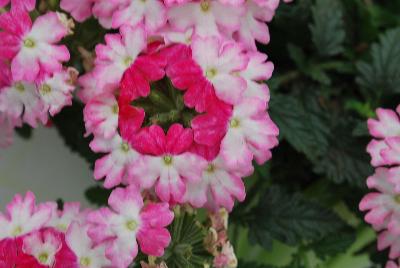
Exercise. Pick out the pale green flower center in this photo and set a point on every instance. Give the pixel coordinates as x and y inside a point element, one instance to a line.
<point>168,160</point>
<point>85,261</point>
<point>45,89</point>
<point>211,73</point>
<point>131,225</point>
<point>234,123</point>
<point>19,86</point>
<point>210,168</point>
<point>43,257</point>
<point>115,109</point>
<point>17,231</point>
<point>205,6</point>
<point>29,43</point>
<point>125,147</point>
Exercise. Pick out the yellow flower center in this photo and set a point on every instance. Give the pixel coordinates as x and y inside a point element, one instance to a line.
<point>211,73</point>
<point>168,160</point>
<point>125,147</point>
<point>128,60</point>
<point>397,199</point>
<point>20,87</point>
<point>85,261</point>
<point>45,89</point>
<point>234,123</point>
<point>210,168</point>
<point>17,231</point>
<point>115,109</point>
<point>29,43</point>
<point>43,257</point>
<point>205,6</point>
<point>131,225</point>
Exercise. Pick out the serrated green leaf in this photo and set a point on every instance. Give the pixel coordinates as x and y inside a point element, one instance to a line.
<point>290,218</point>
<point>328,32</point>
<point>382,73</point>
<point>301,123</point>
<point>97,195</point>
<point>333,244</point>
<point>345,159</point>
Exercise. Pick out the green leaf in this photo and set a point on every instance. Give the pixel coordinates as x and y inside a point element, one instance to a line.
<point>24,132</point>
<point>243,264</point>
<point>301,122</point>
<point>333,244</point>
<point>290,218</point>
<point>328,32</point>
<point>345,159</point>
<point>382,73</point>
<point>97,195</point>
<point>186,248</point>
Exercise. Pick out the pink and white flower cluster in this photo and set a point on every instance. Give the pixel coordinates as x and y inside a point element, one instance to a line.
<point>203,51</point>
<point>33,81</point>
<point>39,235</point>
<point>383,206</point>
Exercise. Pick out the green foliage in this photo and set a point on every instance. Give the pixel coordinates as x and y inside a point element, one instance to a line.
<point>289,219</point>
<point>328,32</point>
<point>97,195</point>
<point>333,244</point>
<point>382,73</point>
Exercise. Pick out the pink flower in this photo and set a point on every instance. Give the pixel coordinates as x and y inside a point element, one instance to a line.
<point>79,9</point>
<point>28,5</point>
<point>220,63</point>
<point>44,246</point>
<point>384,150</point>
<point>29,47</point>
<point>56,90</point>
<point>115,164</point>
<point>88,254</point>
<point>103,10</point>
<point>382,206</point>
<point>256,73</point>
<point>128,220</point>
<point>218,187</point>
<point>151,14</point>
<point>166,161</point>
<point>251,134</point>
<point>253,25</point>
<point>62,219</point>
<point>206,17</point>
<point>120,51</point>
<point>101,116</point>
<point>391,264</point>
<point>387,239</point>
<point>23,216</point>
<point>22,101</point>
<point>89,88</point>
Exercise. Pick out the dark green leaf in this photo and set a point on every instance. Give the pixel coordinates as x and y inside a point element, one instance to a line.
<point>328,32</point>
<point>97,195</point>
<point>333,244</point>
<point>301,122</point>
<point>382,73</point>
<point>290,218</point>
<point>24,132</point>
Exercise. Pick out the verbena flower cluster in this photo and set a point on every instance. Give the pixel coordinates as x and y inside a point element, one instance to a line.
<point>176,103</point>
<point>383,206</point>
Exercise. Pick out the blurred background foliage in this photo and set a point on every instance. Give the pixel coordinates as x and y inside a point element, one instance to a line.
<point>336,61</point>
